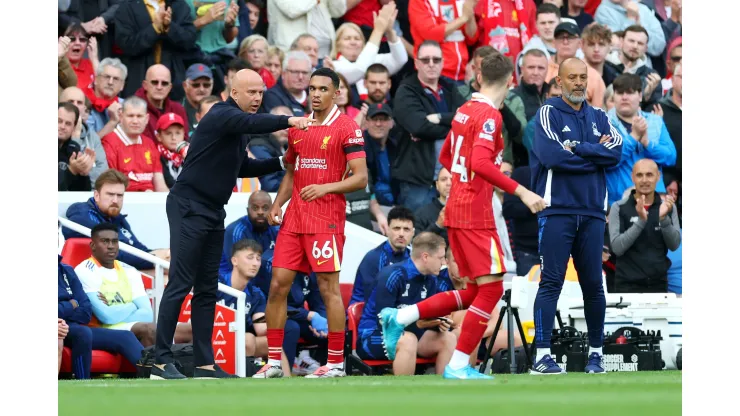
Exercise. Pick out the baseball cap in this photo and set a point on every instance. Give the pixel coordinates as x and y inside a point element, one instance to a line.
<point>381,108</point>
<point>168,119</point>
<point>568,25</point>
<point>196,71</point>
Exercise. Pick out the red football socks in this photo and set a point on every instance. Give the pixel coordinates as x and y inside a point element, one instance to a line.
<point>443,304</point>
<point>336,348</point>
<point>478,315</point>
<point>275,343</point>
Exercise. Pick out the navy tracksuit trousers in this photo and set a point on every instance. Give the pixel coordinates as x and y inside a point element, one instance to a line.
<point>560,237</point>
<point>82,340</point>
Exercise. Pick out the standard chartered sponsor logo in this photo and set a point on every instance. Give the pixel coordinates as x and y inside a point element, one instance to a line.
<point>313,163</point>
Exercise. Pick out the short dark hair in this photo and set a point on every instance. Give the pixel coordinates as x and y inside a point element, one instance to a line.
<point>400,212</point>
<point>76,27</point>
<point>637,29</point>
<point>377,69</point>
<point>553,83</point>
<point>246,244</point>
<point>426,241</point>
<point>428,43</point>
<point>72,109</point>
<point>259,3</point>
<point>111,176</point>
<point>237,64</point>
<point>207,100</point>
<point>326,72</point>
<point>484,51</point>
<point>496,69</point>
<point>627,84</point>
<point>103,226</point>
<point>548,8</point>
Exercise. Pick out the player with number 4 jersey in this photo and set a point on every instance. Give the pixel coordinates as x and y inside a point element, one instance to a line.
<point>311,237</point>
<point>472,152</point>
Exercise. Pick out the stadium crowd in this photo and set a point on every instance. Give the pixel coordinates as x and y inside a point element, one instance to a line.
<point>136,76</point>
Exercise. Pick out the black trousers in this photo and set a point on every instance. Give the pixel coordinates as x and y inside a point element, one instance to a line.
<point>196,242</point>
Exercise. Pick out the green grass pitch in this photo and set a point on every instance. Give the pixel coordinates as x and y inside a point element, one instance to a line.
<point>641,393</point>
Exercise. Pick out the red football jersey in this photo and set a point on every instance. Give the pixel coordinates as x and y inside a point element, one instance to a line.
<point>320,155</point>
<point>470,204</point>
<point>139,161</point>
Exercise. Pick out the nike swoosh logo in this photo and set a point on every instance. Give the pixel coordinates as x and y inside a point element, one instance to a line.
<point>297,141</point>
<point>319,263</point>
<point>126,160</point>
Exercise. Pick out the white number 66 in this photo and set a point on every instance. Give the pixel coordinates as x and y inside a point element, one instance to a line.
<point>325,252</point>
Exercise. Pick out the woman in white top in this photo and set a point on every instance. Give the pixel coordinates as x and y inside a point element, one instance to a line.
<point>351,56</point>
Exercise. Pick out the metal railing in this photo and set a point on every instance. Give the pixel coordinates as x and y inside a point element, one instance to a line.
<point>158,289</point>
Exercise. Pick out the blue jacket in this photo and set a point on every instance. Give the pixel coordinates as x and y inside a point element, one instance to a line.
<point>239,230</point>
<point>88,215</point>
<point>367,273</point>
<point>399,285</point>
<point>255,302</point>
<point>277,96</point>
<point>71,288</point>
<point>572,182</point>
<point>661,149</point>
<point>444,282</point>
<point>675,279</point>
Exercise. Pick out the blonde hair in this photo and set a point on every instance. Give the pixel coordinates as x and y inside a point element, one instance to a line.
<point>248,42</point>
<point>274,50</point>
<point>340,31</point>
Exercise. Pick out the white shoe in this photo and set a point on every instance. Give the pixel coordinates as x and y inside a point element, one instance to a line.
<point>269,371</point>
<point>304,364</point>
<point>326,372</point>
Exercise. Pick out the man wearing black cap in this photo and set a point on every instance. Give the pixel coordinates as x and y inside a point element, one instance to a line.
<point>380,150</point>
<point>198,84</point>
<point>567,44</point>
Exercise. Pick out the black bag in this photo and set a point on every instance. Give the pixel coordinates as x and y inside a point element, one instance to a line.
<point>182,353</point>
<point>502,364</point>
<point>569,348</point>
<point>678,358</point>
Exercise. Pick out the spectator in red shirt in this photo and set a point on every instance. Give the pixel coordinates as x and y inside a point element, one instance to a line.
<point>129,152</point>
<point>155,90</point>
<point>507,25</point>
<point>452,24</point>
<point>81,41</point>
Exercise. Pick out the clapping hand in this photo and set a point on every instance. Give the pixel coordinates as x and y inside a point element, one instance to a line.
<point>641,211</point>
<point>666,207</point>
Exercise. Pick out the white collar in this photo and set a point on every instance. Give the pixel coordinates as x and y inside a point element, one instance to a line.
<point>334,114</point>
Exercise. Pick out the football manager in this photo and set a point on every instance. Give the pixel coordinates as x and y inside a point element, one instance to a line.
<point>216,157</point>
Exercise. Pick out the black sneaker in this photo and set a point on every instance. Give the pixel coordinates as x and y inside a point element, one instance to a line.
<point>217,372</point>
<point>169,372</point>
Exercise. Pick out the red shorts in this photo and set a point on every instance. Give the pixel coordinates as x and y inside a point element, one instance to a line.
<point>320,253</point>
<point>477,252</point>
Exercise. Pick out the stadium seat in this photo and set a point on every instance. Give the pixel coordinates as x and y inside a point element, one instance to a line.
<point>346,289</point>
<point>75,251</point>
<point>103,362</point>
<point>354,313</point>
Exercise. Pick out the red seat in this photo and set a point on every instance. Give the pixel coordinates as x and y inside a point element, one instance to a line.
<point>346,289</point>
<point>102,362</point>
<point>354,313</point>
<point>75,251</point>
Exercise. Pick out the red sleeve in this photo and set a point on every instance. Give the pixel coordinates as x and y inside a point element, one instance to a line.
<point>110,151</point>
<point>353,141</point>
<point>483,164</point>
<point>421,21</point>
<point>290,153</point>
<point>157,162</point>
<point>532,18</point>
<point>445,156</point>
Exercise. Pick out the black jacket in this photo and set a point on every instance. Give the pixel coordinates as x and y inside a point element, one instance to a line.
<point>137,38</point>
<point>217,153</point>
<point>68,181</point>
<point>532,98</point>
<point>643,267</point>
<point>643,72</point>
<point>672,118</point>
<point>416,155</point>
<point>525,231</point>
<point>278,95</point>
<point>426,219</point>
